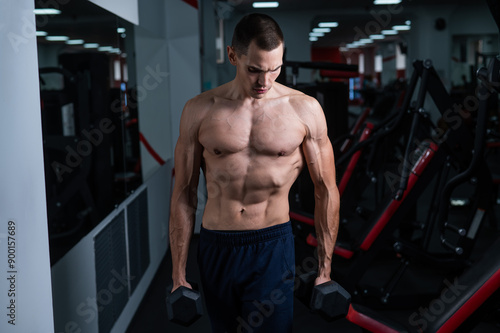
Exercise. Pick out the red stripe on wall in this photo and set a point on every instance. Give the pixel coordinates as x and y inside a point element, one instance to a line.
<point>193,3</point>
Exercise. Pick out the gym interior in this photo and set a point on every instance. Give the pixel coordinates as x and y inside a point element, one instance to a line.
<point>92,93</point>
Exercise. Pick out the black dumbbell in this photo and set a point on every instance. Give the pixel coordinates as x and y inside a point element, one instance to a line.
<point>328,299</point>
<point>184,305</point>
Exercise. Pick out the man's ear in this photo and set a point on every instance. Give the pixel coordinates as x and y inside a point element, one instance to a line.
<point>231,54</point>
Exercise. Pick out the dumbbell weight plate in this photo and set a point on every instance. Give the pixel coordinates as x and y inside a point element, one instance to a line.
<point>184,305</point>
<point>330,300</point>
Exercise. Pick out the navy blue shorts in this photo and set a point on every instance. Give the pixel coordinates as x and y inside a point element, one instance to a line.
<point>248,279</point>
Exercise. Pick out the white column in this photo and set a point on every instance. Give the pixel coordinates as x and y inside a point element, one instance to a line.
<point>25,285</point>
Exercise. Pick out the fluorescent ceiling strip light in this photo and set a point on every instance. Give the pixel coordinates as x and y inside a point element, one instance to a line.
<point>389,32</point>
<point>313,39</point>
<point>316,34</point>
<point>386,2</point>
<point>325,30</point>
<point>41,33</point>
<point>91,45</point>
<point>46,11</point>
<point>75,42</point>
<point>401,27</point>
<point>377,37</point>
<point>121,30</point>
<point>57,38</point>
<point>271,4</point>
<point>104,48</point>
<point>366,40</point>
<point>328,24</point>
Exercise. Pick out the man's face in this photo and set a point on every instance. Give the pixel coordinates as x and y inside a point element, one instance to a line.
<point>258,69</point>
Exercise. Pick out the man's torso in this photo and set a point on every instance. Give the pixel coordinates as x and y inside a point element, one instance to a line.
<point>252,155</point>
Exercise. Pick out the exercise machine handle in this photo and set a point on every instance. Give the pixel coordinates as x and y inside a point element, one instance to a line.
<point>407,163</point>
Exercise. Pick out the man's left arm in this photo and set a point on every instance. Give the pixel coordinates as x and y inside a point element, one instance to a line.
<point>320,161</point>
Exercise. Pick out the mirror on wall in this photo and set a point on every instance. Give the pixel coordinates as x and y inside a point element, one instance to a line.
<point>89,117</point>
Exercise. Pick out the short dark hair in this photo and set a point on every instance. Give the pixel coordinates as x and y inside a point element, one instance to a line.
<point>261,28</point>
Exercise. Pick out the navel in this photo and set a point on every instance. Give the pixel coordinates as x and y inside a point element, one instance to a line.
<point>242,210</point>
<point>217,151</point>
<point>281,153</point>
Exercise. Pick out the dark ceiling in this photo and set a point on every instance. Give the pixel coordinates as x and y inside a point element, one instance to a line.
<point>361,14</point>
<point>83,19</point>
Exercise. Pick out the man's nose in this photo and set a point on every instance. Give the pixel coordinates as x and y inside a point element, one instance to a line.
<point>263,79</point>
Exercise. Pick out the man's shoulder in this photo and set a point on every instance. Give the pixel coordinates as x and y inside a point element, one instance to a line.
<point>206,99</point>
<point>300,102</point>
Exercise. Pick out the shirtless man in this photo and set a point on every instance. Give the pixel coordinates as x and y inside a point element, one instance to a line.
<point>251,137</point>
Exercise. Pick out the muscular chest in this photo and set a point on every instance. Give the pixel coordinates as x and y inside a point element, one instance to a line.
<point>263,132</point>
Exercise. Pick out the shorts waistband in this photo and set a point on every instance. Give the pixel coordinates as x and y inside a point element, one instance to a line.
<point>246,237</point>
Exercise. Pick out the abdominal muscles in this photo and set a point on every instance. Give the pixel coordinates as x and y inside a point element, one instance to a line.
<point>249,192</point>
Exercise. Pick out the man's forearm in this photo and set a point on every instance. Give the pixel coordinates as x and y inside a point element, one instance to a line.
<point>326,219</point>
<point>180,232</point>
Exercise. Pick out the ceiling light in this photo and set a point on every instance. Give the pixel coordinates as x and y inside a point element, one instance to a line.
<point>57,38</point>
<point>91,45</point>
<point>271,4</point>
<point>75,42</point>
<point>377,37</point>
<point>41,33</point>
<point>401,27</point>
<point>325,30</point>
<point>386,2</point>
<point>316,34</point>
<point>46,11</point>
<point>408,22</point>
<point>389,32</point>
<point>328,24</point>
<point>105,48</point>
<point>313,39</point>
<point>121,30</point>
<point>366,40</point>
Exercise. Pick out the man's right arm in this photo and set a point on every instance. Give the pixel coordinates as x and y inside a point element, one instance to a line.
<point>184,201</point>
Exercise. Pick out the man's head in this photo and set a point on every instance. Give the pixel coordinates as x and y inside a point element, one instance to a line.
<point>260,28</point>
<point>257,53</point>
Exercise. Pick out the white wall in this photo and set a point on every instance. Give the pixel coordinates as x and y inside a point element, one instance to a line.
<point>125,9</point>
<point>182,31</point>
<point>25,286</point>
<point>167,42</point>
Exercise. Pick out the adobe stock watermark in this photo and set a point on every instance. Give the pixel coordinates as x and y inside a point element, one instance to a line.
<point>28,28</point>
<point>89,308</point>
<point>94,137</point>
<point>454,118</point>
<point>382,19</point>
<point>426,315</point>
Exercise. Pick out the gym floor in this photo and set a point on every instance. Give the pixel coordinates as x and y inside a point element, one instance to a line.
<point>151,315</point>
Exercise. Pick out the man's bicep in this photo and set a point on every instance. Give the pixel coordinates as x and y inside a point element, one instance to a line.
<point>318,149</point>
<point>188,151</point>
<point>320,160</point>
